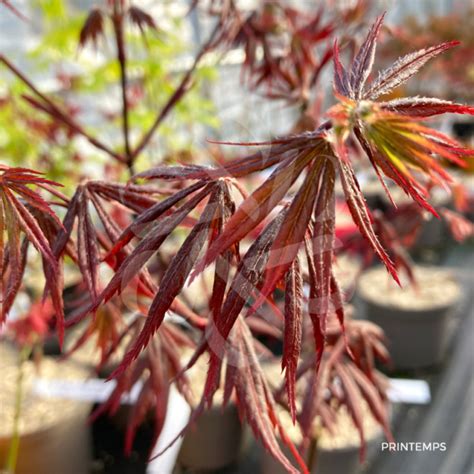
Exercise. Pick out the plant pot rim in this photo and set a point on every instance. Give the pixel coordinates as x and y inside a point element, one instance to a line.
<point>349,447</point>
<point>403,311</point>
<point>408,312</point>
<point>49,413</point>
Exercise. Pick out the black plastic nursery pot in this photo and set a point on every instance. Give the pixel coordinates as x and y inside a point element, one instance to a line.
<point>213,442</point>
<point>417,329</point>
<point>216,438</point>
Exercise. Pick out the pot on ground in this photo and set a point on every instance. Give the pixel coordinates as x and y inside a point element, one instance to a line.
<point>337,461</point>
<point>336,453</point>
<point>339,452</point>
<point>417,321</point>
<point>54,434</point>
<point>215,440</point>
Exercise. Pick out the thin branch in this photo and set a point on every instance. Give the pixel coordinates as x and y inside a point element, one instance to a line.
<point>53,110</point>
<point>179,92</point>
<point>122,60</point>
<point>13,9</point>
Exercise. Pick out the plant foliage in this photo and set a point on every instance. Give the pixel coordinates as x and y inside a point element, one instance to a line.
<point>247,248</point>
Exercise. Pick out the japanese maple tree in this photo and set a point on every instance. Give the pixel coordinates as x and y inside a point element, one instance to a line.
<point>280,237</point>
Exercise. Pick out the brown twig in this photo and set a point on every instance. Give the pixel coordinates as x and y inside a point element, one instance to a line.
<point>122,60</point>
<point>53,110</point>
<point>179,92</point>
<point>14,10</point>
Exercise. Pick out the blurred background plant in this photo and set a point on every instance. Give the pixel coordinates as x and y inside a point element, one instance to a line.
<point>29,332</point>
<point>452,77</point>
<point>84,78</point>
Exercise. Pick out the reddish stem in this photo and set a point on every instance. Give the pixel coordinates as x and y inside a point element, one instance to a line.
<point>179,92</point>
<point>122,60</point>
<point>56,113</point>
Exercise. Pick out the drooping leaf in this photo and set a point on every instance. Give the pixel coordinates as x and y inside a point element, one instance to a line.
<point>338,302</point>
<point>33,199</point>
<point>400,146</point>
<point>372,397</point>
<point>292,231</point>
<point>141,19</point>
<point>320,264</point>
<point>87,247</point>
<point>148,246</point>
<point>345,382</point>
<point>293,331</point>
<point>176,275</point>
<point>259,205</point>
<point>22,209</point>
<point>248,275</point>
<point>389,168</point>
<point>461,228</point>
<point>371,155</point>
<point>93,27</point>
<point>360,214</point>
<point>223,263</point>
<point>14,275</point>
<point>141,224</point>
<point>256,403</point>
<point>154,396</point>
<point>353,401</point>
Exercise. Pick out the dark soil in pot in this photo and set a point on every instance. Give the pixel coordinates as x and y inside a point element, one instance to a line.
<point>417,321</point>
